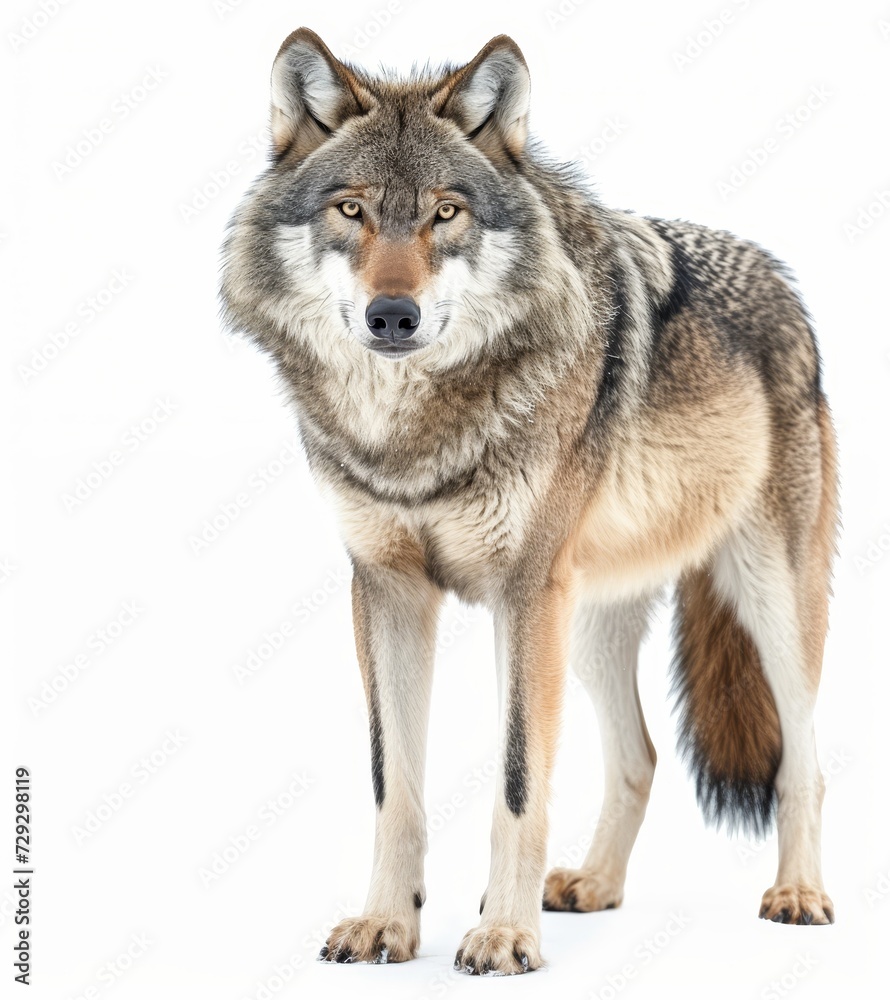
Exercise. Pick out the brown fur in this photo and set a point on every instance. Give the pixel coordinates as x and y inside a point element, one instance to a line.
<point>394,268</point>
<point>543,641</point>
<point>729,723</point>
<point>574,890</point>
<point>795,904</point>
<point>681,475</point>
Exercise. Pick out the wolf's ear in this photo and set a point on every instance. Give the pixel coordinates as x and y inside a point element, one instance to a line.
<point>489,97</point>
<point>313,94</point>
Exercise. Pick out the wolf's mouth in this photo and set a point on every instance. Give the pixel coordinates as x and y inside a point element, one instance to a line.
<point>393,349</point>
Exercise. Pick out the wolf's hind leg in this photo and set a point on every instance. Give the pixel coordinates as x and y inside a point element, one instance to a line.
<point>774,572</point>
<point>771,599</point>
<point>605,642</point>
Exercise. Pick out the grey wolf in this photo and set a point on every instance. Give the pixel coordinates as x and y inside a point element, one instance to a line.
<point>554,410</point>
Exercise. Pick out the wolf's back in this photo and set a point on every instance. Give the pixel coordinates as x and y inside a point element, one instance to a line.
<point>745,296</point>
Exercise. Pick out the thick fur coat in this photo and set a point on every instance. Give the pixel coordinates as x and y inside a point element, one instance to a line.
<point>554,409</point>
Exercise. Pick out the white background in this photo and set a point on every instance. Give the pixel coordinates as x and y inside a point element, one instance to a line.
<point>151,201</point>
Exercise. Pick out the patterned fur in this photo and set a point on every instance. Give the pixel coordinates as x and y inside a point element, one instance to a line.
<point>592,406</point>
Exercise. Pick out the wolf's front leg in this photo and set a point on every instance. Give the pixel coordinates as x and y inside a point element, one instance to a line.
<point>531,642</point>
<point>394,615</point>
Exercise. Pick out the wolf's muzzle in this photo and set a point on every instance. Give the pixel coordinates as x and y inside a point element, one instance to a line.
<point>393,319</point>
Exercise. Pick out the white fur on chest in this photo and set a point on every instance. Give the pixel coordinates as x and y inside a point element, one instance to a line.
<point>477,537</point>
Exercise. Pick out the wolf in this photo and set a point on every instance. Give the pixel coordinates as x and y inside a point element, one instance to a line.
<point>555,410</point>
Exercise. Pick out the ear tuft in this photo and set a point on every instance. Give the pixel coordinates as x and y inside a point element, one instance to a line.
<point>489,98</point>
<point>313,94</point>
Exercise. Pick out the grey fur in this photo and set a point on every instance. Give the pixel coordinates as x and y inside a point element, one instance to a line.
<point>469,463</point>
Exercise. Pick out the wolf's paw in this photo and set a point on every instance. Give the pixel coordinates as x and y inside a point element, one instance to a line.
<point>797,904</point>
<point>580,890</point>
<point>498,951</point>
<point>370,938</point>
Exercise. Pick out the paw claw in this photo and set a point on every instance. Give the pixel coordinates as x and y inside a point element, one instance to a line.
<point>580,890</point>
<point>498,951</point>
<point>371,939</point>
<point>796,904</point>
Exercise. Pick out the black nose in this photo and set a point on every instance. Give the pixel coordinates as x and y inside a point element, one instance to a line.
<point>393,319</point>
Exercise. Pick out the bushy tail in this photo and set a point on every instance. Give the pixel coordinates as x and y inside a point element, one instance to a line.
<point>729,731</point>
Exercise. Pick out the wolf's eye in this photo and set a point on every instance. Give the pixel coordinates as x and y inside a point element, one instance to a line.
<point>351,209</point>
<point>446,212</point>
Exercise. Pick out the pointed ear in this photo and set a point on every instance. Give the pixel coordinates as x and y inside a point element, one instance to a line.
<point>313,94</point>
<point>489,98</point>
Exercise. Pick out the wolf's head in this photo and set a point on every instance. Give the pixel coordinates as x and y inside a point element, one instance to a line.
<point>393,219</point>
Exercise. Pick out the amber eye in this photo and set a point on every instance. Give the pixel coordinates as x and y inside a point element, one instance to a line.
<point>446,212</point>
<point>351,209</point>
